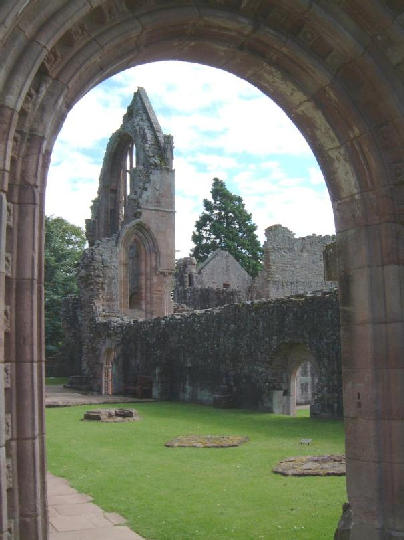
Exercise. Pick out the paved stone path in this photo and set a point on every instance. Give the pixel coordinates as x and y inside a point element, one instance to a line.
<point>73,516</point>
<point>58,396</point>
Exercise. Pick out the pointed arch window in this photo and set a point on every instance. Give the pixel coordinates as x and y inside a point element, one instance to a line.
<point>138,265</point>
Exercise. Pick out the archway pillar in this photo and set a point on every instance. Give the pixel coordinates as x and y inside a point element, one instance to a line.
<point>371,271</point>
<point>24,347</point>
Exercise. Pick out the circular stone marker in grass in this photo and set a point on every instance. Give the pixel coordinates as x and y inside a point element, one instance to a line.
<point>207,441</point>
<point>112,415</point>
<point>332,465</point>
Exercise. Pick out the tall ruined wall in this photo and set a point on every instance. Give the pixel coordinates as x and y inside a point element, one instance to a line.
<point>251,348</point>
<point>292,265</point>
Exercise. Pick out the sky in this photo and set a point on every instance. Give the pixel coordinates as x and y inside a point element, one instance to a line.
<point>222,127</point>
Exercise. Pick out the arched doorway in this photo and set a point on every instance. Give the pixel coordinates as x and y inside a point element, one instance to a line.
<point>336,68</point>
<point>305,383</point>
<point>107,373</point>
<point>286,369</point>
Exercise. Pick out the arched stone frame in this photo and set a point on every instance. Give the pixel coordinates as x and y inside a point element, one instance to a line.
<point>298,355</point>
<point>107,364</point>
<point>138,234</point>
<point>285,362</point>
<point>336,68</point>
<point>113,180</point>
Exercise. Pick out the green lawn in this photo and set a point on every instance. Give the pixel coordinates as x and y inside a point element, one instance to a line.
<point>212,493</point>
<point>52,381</point>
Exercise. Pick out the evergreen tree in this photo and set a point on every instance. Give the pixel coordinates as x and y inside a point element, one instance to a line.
<point>225,224</point>
<point>64,244</point>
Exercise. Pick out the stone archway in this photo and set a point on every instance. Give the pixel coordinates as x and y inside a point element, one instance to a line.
<point>300,356</point>
<point>107,375</point>
<point>336,69</point>
<point>284,366</point>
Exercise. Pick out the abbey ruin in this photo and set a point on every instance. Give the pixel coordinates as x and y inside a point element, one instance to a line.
<point>336,68</point>
<point>246,353</point>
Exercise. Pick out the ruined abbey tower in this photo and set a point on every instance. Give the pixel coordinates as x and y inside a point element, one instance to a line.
<point>128,268</point>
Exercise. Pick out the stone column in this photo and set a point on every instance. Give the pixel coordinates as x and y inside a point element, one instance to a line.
<point>371,289</point>
<point>3,372</point>
<point>25,290</point>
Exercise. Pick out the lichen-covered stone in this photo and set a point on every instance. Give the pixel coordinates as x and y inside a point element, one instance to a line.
<point>329,465</point>
<point>207,441</point>
<point>112,415</point>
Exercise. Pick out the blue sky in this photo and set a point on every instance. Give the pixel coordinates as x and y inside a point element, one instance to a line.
<point>222,126</point>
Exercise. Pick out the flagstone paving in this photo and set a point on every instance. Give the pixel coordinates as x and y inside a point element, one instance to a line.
<point>73,516</point>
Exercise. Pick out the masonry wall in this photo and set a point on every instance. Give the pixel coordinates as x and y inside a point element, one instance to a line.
<point>292,265</point>
<point>245,349</point>
<point>206,297</point>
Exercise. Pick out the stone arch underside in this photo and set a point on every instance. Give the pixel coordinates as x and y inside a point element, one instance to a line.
<point>337,70</point>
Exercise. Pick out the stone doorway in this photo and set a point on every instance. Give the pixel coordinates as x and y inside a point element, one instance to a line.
<point>286,368</point>
<point>303,378</point>
<point>108,373</point>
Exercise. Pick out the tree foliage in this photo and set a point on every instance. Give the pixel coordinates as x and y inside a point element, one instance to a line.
<point>64,244</point>
<point>225,224</point>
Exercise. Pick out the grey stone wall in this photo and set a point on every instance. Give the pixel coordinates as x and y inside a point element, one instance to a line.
<point>222,270</point>
<point>217,281</point>
<point>251,349</point>
<point>292,265</point>
<point>206,297</point>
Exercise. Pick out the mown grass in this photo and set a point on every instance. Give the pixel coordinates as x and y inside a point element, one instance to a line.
<point>213,493</point>
<point>53,381</point>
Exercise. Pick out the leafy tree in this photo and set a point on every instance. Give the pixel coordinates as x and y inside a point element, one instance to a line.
<point>226,224</point>
<point>64,244</point>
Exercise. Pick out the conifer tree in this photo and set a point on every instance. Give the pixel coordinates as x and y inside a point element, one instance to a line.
<point>226,224</point>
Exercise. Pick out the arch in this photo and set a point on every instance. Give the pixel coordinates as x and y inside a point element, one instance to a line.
<point>301,356</point>
<point>287,359</point>
<point>138,265</point>
<point>336,69</point>
<point>107,388</point>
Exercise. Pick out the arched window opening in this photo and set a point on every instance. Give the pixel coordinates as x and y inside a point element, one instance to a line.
<point>134,276</point>
<point>130,165</point>
<point>138,263</point>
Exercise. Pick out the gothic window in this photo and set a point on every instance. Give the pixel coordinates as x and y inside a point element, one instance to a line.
<point>130,165</point>
<point>134,276</point>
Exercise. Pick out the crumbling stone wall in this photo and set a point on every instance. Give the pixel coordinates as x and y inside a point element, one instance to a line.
<point>206,297</point>
<point>129,266</point>
<point>217,281</point>
<point>241,347</point>
<point>292,265</point>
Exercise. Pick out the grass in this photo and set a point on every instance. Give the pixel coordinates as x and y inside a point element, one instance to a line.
<point>52,381</point>
<point>210,493</point>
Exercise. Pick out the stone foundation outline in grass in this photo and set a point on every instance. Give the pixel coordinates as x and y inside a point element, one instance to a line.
<point>328,465</point>
<point>207,441</point>
<point>111,415</point>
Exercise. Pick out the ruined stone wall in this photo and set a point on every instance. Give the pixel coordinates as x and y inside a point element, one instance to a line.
<point>292,265</point>
<point>218,281</point>
<point>249,348</point>
<point>207,297</point>
<point>222,270</point>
